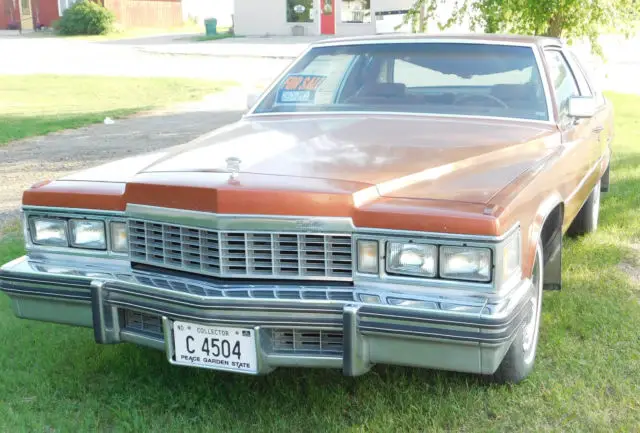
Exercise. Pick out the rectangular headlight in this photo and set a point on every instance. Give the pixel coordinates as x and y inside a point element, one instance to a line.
<point>465,263</point>
<point>47,231</point>
<point>88,234</point>
<point>119,237</point>
<point>412,259</point>
<point>368,257</point>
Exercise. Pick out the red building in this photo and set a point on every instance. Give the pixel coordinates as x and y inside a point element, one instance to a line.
<point>30,14</point>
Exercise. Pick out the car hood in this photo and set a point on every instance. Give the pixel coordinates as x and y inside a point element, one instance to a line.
<point>414,157</point>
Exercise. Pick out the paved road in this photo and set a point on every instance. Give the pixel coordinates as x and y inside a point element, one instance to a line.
<point>74,57</point>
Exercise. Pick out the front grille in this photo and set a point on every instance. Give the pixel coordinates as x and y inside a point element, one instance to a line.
<point>241,254</point>
<point>302,341</point>
<point>283,340</point>
<point>136,321</point>
<point>255,291</point>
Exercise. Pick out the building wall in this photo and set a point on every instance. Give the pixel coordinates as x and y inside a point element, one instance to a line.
<point>200,10</point>
<point>8,12</point>
<point>266,17</point>
<point>45,11</point>
<point>146,13</point>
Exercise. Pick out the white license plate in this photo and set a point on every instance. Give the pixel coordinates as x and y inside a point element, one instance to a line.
<point>215,347</point>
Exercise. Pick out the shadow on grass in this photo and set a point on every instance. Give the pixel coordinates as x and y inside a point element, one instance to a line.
<point>130,378</point>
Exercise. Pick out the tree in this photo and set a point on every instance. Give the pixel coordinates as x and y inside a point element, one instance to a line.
<point>570,19</point>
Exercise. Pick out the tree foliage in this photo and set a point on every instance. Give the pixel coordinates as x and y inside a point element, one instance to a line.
<point>569,19</point>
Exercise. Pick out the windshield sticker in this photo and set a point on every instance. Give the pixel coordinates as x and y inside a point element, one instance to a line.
<point>299,88</point>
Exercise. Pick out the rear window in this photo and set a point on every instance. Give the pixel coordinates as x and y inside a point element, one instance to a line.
<point>438,78</point>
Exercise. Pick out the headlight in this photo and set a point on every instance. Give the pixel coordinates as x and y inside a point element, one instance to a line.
<point>88,234</point>
<point>465,263</point>
<point>412,259</point>
<point>48,232</point>
<point>119,239</point>
<point>368,257</point>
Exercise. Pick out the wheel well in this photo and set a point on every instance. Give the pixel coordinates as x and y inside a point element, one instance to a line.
<point>551,240</point>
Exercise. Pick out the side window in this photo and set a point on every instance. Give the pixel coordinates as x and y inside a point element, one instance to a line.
<point>562,78</point>
<point>582,74</point>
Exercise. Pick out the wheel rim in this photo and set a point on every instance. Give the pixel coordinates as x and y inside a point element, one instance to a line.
<point>531,327</point>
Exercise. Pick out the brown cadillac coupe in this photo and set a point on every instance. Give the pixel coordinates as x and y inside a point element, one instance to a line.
<point>391,199</point>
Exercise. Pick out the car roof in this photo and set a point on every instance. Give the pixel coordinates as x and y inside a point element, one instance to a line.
<point>541,41</point>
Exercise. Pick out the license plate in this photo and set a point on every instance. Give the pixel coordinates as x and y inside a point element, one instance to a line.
<point>215,347</point>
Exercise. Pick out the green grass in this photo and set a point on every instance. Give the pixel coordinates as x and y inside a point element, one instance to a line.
<point>218,36</point>
<point>586,379</point>
<point>38,104</point>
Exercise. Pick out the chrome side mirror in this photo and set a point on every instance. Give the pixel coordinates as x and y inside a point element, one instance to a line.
<point>582,106</point>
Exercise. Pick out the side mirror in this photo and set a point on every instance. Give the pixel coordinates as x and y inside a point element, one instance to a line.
<point>582,106</point>
<point>252,98</point>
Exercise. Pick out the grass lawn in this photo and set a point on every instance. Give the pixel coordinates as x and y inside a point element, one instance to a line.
<point>587,375</point>
<point>38,104</point>
<point>218,36</point>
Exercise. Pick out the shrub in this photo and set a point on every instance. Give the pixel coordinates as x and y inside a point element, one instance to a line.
<point>86,18</point>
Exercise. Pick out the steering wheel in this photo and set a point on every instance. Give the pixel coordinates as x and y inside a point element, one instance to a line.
<point>481,95</point>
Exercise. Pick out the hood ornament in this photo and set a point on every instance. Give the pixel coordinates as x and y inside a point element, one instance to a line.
<point>233,167</point>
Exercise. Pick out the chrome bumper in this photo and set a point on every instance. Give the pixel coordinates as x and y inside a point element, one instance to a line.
<point>467,334</point>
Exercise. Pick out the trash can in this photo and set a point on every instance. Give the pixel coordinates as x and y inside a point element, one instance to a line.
<point>210,26</point>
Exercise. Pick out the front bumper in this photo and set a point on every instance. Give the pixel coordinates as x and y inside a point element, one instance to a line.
<point>460,333</point>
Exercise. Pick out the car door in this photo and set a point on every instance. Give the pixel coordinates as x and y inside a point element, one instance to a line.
<point>602,122</point>
<point>579,136</point>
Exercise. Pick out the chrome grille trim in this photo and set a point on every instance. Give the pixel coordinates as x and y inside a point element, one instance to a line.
<point>242,254</point>
<point>306,341</point>
<point>284,341</point>
<point>254,291</point>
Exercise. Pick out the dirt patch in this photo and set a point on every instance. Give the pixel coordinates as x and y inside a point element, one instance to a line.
<point>632,270</point>
<point>28,161</point>
<point>631,267</point>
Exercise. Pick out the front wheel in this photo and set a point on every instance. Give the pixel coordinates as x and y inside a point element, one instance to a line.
<point>518,362</point>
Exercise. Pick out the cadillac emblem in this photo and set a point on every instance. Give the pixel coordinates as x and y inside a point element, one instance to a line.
<point>308,225</point>
<point>233,166</point>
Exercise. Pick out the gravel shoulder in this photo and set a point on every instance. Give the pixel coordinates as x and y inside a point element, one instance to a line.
<point>28,161</point>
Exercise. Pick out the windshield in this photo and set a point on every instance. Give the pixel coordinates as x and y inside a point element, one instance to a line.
<point>437,78</point>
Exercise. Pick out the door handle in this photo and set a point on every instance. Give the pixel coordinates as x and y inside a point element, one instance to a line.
<point>597,129</point>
